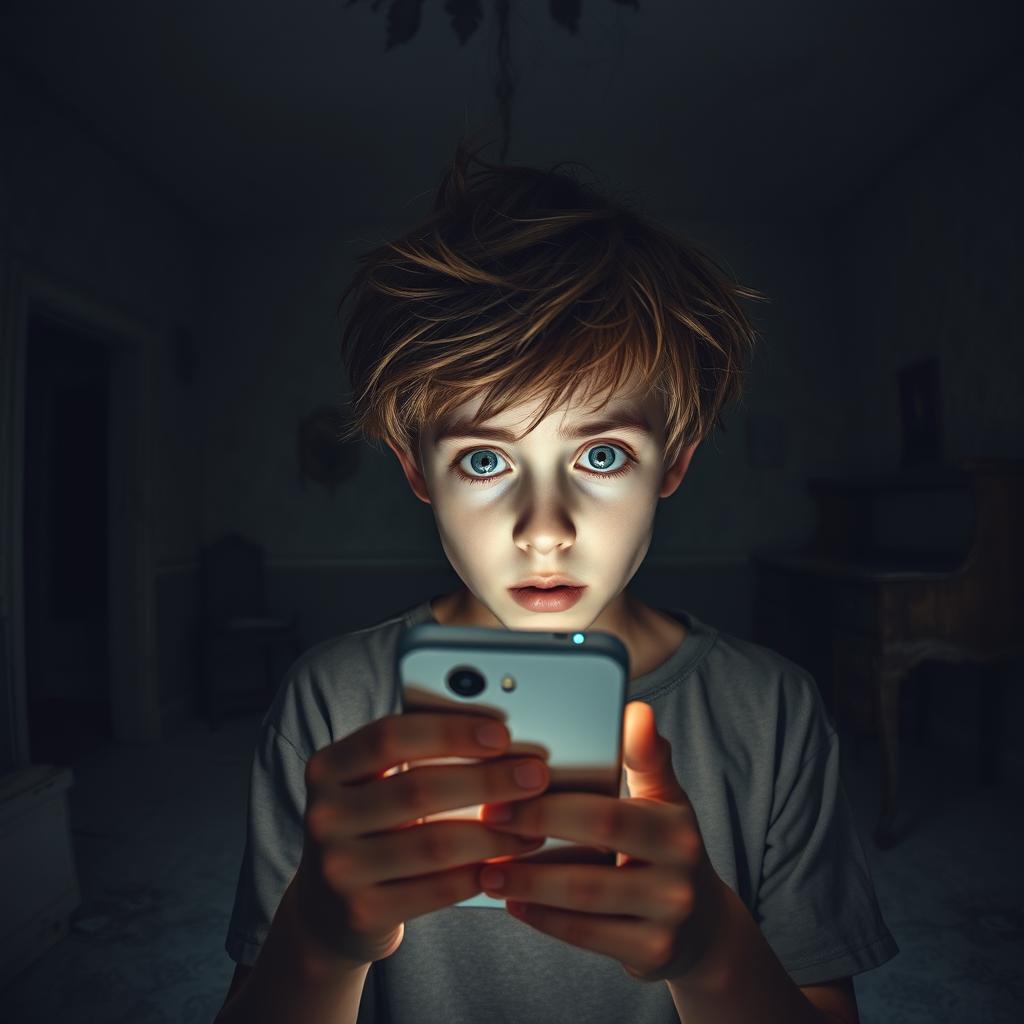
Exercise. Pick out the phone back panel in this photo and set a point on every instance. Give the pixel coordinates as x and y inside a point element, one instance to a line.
<point>560,699</point>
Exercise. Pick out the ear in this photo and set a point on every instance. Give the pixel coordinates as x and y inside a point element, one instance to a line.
<point>675,473</point>
<point>412,474</point>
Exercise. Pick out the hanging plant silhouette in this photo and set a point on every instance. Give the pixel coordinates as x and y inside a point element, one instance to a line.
<point>403,22</point>
<point>465,15</point>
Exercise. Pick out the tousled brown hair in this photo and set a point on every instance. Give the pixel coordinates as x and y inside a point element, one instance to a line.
<point>523,283</point>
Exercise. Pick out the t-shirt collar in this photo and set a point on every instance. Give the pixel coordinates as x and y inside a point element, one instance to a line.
<point>697,642</point>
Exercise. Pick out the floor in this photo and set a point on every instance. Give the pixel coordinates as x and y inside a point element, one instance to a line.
<point>158,836</point>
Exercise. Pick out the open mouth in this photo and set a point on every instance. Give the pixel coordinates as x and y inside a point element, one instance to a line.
<point>547,599</point>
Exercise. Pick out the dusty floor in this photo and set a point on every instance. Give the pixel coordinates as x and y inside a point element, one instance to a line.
<point>158,835</point>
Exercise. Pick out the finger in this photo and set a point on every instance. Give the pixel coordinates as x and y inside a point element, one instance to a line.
<point>418,850</point>
<point>387,742</point>
<point>652,831</point>
<point>390,903</point>
<point>642,944</point>
<point>647,757</point>
<point>420,791</point>
<point>657,894</point>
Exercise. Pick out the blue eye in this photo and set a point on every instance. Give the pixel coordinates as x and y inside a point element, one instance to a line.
<point>483,460</point>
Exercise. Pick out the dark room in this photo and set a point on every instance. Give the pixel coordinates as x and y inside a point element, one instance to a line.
<point>510,511</point>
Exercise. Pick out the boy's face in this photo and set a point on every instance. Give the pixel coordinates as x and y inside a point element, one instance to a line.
<point>547,504</point>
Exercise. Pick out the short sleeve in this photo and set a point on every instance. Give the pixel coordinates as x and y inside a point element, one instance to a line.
<point>816,903</point>
<point>326,694</point>
<point>273,841</point>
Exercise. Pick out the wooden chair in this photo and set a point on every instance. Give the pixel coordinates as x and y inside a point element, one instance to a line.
<point>234,617</point>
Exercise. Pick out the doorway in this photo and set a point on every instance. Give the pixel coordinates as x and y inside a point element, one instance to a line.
<point>80,537</point>
<point>66,536</point>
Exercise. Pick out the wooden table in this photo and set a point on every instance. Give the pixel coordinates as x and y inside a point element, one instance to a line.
<point>860,618</point>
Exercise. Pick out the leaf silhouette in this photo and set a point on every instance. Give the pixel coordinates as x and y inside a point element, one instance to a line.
<point>465,16</point>
<point>403,21</point>
<point>566,13</point>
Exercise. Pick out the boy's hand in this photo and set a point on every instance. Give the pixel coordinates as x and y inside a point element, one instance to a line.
<point>657,910</point>
<point>367,864</point>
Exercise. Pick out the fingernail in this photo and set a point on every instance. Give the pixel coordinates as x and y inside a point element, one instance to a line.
<point>492,878</point>
<point>491,735</point>
<point>528,775</point>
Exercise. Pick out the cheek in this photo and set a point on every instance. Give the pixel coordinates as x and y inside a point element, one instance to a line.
<point>467,533</point>
<point>628,516</point>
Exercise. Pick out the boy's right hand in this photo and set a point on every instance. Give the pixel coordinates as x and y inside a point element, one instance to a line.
<point>367,866</point>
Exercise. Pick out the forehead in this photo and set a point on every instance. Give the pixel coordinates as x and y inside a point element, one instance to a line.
<point>622,409</point>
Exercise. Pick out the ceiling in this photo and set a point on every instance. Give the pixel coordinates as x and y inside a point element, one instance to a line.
<point>289,114</point>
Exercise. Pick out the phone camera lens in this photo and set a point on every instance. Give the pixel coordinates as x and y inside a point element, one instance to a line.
<point>466,682</point>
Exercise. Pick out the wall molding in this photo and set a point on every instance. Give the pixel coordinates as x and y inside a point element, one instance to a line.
<point>429,565</point>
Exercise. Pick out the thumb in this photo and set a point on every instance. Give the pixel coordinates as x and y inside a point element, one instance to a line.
<point>647,757</point>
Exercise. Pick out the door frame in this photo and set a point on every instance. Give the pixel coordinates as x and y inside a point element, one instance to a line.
<point>131,624</point>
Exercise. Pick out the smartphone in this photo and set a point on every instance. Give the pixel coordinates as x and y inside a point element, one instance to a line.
<point>560,695</point>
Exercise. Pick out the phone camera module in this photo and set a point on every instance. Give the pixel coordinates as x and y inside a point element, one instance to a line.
<point>466,682</point>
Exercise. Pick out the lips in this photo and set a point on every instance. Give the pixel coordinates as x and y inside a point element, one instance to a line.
<point>546,582</point>
<point>558,598</point>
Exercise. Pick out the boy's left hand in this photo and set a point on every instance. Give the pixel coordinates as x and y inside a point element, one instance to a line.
<point>657,910</point>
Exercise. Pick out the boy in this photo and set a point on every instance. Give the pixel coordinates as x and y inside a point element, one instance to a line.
<point>544,364</point>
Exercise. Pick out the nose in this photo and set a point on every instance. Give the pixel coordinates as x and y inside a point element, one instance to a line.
<point>546,525</point>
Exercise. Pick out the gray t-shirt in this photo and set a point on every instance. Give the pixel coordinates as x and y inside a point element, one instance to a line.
<point>752,746</point>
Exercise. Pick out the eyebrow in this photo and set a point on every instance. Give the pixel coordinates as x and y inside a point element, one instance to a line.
<point>623,419</point>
